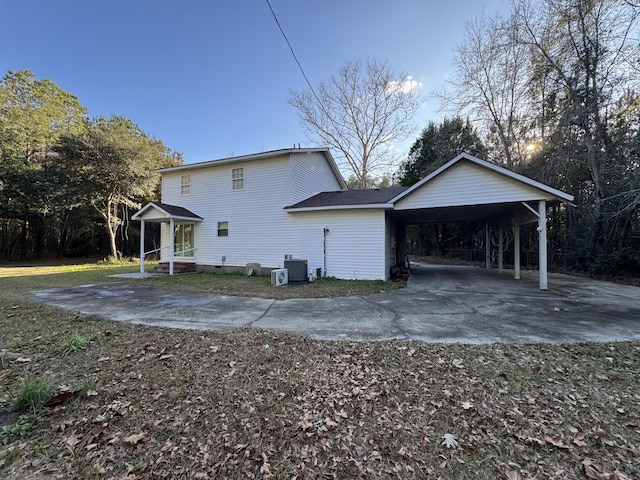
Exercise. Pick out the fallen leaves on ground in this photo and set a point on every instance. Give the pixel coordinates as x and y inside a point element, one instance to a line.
<point>262,404</point>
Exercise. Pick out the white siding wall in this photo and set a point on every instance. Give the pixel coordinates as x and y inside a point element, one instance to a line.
<point>310,174</point>
<point>468,184</point>
<point>260,230</point>
<point>355,242</point>
<point>257,221</point>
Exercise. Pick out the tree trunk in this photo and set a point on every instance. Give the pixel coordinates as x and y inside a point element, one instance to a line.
<point>64,232</point>
<point>596,168</point>
<point>38,238</point>
<point>112,227</point>
<point>109,214</point>
<point>23,239</point>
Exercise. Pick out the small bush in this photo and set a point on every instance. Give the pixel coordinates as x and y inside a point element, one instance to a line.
<point>9,433</point>
<point>74,343</point>
<point>623,261</point>
<point>119,260</point>
<point>34,394</point>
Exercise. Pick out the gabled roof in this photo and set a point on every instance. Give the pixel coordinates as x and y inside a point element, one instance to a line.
<point>261,156</point>
<point>466,157</point>
<point>164,212</point>
<point>349,198</point>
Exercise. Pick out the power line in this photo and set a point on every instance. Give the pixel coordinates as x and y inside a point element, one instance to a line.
<point>295,57</point>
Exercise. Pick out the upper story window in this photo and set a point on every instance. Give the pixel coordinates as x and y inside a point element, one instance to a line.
<point>185,184</point>
<point>237,177</point>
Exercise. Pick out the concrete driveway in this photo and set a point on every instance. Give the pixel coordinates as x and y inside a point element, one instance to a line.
<point>440,304</point>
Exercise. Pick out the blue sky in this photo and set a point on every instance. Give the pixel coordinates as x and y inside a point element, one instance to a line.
<point>211,78</point>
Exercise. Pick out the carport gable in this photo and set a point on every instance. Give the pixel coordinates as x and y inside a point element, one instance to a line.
<point>469,181</point>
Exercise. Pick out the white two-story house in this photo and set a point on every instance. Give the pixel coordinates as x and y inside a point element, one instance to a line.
<point>293,203</point>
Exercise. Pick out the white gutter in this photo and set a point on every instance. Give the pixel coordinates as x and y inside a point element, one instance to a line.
<point>367,206</point>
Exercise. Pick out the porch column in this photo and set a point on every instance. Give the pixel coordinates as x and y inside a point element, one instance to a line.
<point>171,244</point>
<point>500,248</point>
<point>141,246</point>
<point>516,250</point>
<point>542,243</point>
<point>487,246</point>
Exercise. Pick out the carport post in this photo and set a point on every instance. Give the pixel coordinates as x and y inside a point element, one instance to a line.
<point>141,246</point>
<point>171,244</point>
<point>516,250</point>
<point>500,248</point>
<point>487,246</point>
<point>542,243</point>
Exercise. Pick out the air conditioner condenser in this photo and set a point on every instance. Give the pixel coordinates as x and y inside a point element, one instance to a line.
<point>279,276</point>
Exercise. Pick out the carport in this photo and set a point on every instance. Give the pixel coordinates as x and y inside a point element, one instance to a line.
<point>470,189</point>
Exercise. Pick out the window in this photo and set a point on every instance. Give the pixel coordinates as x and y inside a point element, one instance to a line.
<point>183,240</point>
<point>223,229</point>
<point>237,177</point>
<point>185,184</point>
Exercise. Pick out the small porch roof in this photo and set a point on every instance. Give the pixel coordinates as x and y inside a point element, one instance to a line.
<point>158,212</point>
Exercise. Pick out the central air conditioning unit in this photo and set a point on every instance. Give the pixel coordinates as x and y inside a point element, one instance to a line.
<point>279,276</point>
<point>297,270</point>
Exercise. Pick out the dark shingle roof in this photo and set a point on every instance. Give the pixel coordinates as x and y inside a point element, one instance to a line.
<point>350,197</point>
<point>176,211</point>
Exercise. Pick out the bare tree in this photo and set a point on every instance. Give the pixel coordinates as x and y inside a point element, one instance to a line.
<point>586,47</point>
<point>360,113</point>
<point>490,85</point>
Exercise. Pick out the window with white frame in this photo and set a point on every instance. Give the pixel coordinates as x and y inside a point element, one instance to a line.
<point>183,240</point>
<point>237,178</point>
<point>223,229</point>
<point>185,184</point>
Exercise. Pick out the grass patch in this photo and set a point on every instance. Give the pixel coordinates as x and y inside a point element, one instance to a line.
<point>23,279</point>
<point>74,343</point>
<point>13,343</point>
<point>240,285</point>
<point>90,385</point>
<point>33,394</point>
<point>20,280</point>
<point>8,456</point>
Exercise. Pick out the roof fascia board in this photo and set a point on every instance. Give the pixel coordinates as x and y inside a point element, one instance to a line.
<point>372,206</point>
<point>243,158</point>
<point>334,168</point>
